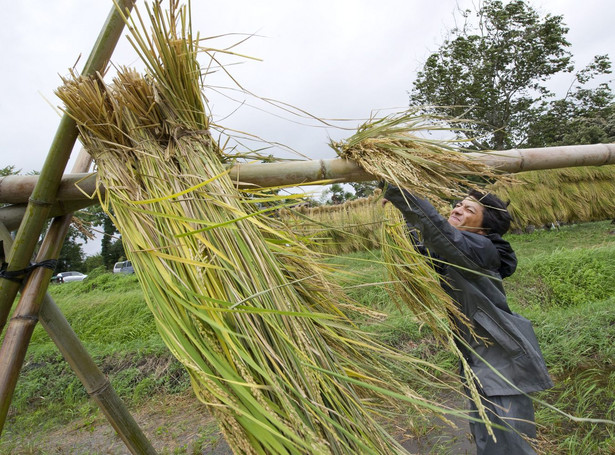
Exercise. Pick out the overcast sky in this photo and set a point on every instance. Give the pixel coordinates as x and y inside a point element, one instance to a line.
<point>336,59</point>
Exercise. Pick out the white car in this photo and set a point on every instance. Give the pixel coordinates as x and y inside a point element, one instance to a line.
<point>66,277</point>
<point>123,267</point>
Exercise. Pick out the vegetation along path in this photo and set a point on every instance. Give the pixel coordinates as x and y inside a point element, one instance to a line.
<point>565,284</point>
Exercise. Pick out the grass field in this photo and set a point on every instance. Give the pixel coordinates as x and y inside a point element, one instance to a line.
<point>565,284</point>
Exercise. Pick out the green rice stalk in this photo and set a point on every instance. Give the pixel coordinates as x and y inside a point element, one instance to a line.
<point>415,285</point>
<point>240,302</point>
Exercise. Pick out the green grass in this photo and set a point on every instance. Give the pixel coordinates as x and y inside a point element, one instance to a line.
<point>578,344</point>
<point>111,319</point>
<point>565,284</point>
<point>565,238</point>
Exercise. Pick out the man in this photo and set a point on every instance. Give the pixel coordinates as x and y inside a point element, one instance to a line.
<point>505,356</point>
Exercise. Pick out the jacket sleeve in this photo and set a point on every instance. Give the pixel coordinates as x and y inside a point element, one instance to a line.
<point>463,249</point>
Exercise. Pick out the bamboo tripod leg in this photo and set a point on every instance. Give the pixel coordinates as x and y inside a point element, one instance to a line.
<point>44,194</point>
<point>94,381</point>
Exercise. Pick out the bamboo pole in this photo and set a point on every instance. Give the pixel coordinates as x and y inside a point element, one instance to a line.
<point>11,215</point>
<point>44,194</point>
<point>23,321</point>
<point>20,330</point>
<point>16,189</point>
<point>537,159</point>
<point>95,382</point>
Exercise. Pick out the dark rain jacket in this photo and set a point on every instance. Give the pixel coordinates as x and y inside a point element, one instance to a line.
<point>474,266</point>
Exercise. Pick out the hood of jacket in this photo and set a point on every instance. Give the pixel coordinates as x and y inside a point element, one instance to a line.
<point>508,259</point>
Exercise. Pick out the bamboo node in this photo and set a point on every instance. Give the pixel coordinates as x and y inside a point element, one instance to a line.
<point>40,203</point>
<point>100,390</point>
<point>25,318</point>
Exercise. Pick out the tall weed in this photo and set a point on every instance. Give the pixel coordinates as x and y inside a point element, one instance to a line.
<point>565,277</point>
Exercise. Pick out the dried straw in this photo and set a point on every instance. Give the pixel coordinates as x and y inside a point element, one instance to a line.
<point>242,304</point>
<point>392,149</point>
<point>569,195</point>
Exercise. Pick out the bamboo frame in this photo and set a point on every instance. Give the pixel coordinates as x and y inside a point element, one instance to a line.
<point>95,382</point>
<point>12,215</point>
<point>16,189</point>
<point>44,194</point>
<point>14,346</point>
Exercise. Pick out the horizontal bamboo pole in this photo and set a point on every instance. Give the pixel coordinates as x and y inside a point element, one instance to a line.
<point>537,159</point>
<point>16,189</point>
<point>11,215</point>
<point>13,188</point>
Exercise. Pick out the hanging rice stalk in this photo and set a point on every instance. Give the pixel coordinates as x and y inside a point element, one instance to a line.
<point>338,229</point>
<point>240,302</point>
<point>391,148</point>
<point>410,273</point>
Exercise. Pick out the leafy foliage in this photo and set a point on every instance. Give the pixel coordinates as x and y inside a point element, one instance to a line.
<point>9,170</point>
<point>363,189</point>
<point>337,194</point>
<point>71,256</point>
<point>583,116</point>
<point>492,71</point>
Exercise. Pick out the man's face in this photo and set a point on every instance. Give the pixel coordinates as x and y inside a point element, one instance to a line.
<point>467,215</point>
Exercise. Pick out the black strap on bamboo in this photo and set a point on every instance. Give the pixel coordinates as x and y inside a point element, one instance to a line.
<point>19,275</point>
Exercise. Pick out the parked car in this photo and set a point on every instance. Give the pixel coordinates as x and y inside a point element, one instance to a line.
<point>66,277</point>
<point>123,267</point>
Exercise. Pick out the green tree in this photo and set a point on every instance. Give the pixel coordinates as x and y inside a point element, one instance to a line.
<point>583,116</point>
<point>363,189</point>
<point>92,262</point>
<point>492,71</point>
<point>71,256</point>
<point>116,252</point>
<point>111,250</point>
<point>9,170</point>
<point>336,194</point>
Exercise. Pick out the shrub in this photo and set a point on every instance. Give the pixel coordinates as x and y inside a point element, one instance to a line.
<point>566,278</point>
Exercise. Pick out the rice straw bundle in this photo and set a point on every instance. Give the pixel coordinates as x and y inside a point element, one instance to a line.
<point>560,195</point>
<point>251,316</point>
<point>410,274</point>
<point>338,229</point>
<point>391,149</point>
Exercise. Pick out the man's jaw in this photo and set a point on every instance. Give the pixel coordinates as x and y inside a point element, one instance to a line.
<point>454,220</point>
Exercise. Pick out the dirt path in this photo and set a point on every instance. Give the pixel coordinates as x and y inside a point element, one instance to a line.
<point>179,425</point>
